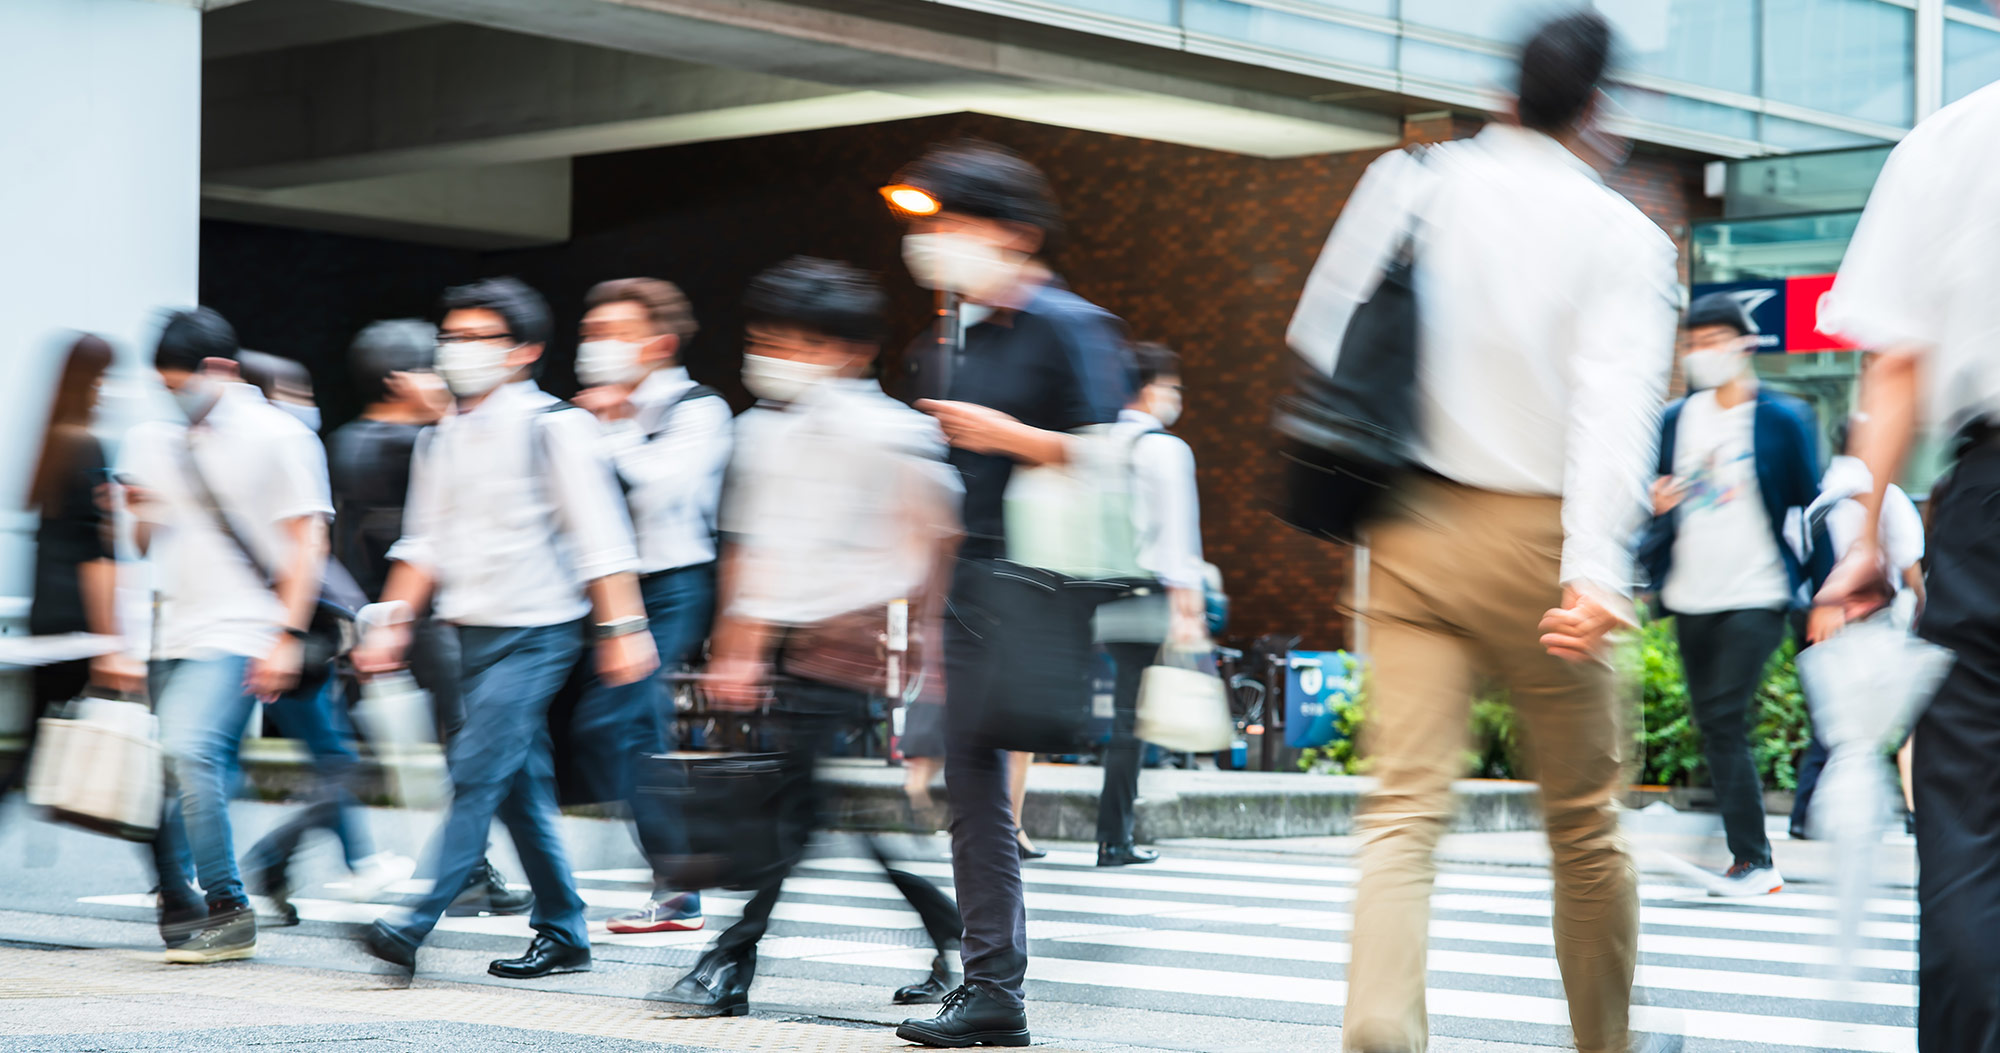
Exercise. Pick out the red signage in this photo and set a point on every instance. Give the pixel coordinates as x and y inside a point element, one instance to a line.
<point>1802,332</point>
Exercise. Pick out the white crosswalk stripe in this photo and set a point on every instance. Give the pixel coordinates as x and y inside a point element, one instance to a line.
<point>1732,975</point>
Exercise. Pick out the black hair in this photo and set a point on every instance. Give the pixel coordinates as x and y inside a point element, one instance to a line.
<point>821,296</point>
<point>1719,308</point>
<point>983,179</point>
<point>1561,67</point>
<point>268,372</point>
<point>1150,361</point>
<point>404,345</point>
<point>191,336</point>
<point>522,308</point>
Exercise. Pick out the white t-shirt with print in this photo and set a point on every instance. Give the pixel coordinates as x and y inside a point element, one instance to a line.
<point>1725,558</point>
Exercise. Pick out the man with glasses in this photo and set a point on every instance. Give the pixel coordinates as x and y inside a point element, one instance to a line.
<point>515,531</point>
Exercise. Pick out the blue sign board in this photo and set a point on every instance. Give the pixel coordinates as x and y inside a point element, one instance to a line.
<point>1316,682</point>
<point>1765,302</point>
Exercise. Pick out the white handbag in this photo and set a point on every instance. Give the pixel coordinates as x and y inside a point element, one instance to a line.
<point>395,714</point>
<point>1181,707</point>
<point>98,767</point>
<point>1076,518</point>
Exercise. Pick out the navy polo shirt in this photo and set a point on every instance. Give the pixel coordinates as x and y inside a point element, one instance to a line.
<point>1057,364</point>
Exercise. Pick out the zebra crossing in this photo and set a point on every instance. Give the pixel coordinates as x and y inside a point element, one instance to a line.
<point>1262,939</point>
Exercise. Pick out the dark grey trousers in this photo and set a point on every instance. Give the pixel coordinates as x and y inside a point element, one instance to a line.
<point>1123,753</point>
<point>1725,654</point>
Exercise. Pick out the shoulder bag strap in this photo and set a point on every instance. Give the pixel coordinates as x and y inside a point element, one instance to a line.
<point>215,510</point>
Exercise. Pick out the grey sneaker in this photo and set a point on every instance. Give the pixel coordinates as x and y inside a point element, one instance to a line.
<point>229,937</point>
<point>1743,879</point>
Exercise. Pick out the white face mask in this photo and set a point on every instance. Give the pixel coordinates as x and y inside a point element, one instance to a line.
<point>608,362</point>
<point>473,369</point>
<point>962,264</point>
<point>1712,369</point>
<point>1166,406</point>
<point>781,379</point>
<point>196,397</point>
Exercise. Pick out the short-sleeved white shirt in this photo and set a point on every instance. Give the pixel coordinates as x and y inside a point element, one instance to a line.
<point>264,468</point>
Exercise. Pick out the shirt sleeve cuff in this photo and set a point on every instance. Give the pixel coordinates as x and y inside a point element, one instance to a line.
<point>604,565</point>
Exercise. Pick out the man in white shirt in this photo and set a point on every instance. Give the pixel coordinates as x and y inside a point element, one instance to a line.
<point>1167,519</point>
<point>669,439</point>
<point>840,505</point>
<point>515,533</point>
<point>1546,313</point>
<point>1738,463</point>
<point>231,508</point>
<point>1917,284</point>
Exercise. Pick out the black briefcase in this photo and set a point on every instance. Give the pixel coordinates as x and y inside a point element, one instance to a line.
<point>1039,693</point>
<point>740,830</point>
<point>1344,438</point>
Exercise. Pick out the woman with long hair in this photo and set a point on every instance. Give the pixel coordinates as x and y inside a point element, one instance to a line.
<point>76,572</point>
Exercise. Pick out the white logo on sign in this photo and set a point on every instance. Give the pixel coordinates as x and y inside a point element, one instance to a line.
<point>1750,300</point>
<point>1311,680</point>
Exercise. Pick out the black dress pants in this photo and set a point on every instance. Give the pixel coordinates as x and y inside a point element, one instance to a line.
<point>1725,653</point>
<point>1122,755</point>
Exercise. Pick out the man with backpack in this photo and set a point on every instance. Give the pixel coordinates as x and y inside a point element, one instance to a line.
<point>516,531</point>
<point>669,440</point>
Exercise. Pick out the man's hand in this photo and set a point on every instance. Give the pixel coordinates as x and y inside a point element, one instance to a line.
<point>1667,494</point>
<point>1187,624</point>
<point>626,659</point>
<point>382,649</point>
<point>609,401</point>
<point>978,429</point>
<point>278,671</point>
<point>1859,585</point>
<point>1580,629</point>
<point>736,684</point>
<point>1822,623</point>
<point>119,672</point>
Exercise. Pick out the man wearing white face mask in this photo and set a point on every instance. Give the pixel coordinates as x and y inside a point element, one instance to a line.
<point>515,528</point>
<point>1043,363</point>
<point>669,439</point>
<point>1736,462</point>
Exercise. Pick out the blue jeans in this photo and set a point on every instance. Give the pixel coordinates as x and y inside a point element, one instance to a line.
<point>202,707</point>
<point>500,766</point>
<point>316,714</point>
<point>680,604</point>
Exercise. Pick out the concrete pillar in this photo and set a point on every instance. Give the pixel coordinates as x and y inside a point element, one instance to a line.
<point>99,199</point>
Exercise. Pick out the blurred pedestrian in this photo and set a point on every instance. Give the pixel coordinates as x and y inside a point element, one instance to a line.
<point>1917,283</point>
<point>1041,363</point>
<point>231,507</point>
<point>1737,462</point>
<point>669,439</point>
<point>76,568</point>
<point>516,531</point>
<point>368,460</point>
<point>1546,313</point>
<point>840,509</point>
<point>314,712</point>
<point>1170,610</point>
<point>1901,531</point>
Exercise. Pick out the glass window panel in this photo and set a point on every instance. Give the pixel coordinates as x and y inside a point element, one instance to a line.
<point>1378,8</point>
<point>1470,68</point>
<point>1789,185</point>
<point>1677,111</point>
<point>1798,135</point>
<point>1156,11</point>
<point>1501,21</point>
<point>1971,59</point>
<point>1289,32</point>
<point>1850,57</point>
<point>1754,249</point>
<point>1984,7</point>
<point>1709,42</point>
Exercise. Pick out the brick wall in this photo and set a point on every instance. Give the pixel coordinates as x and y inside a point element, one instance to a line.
<point>1203,251</point>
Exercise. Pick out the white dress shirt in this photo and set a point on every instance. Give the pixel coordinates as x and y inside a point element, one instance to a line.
<point>672,457</point>
<point>1900,528</point>
<point>835,504</point>
<point>264,469</point>
<point>1922,270</point>
<point>1547,306</point>
<point>513,510</point>
<point>1166,509</point>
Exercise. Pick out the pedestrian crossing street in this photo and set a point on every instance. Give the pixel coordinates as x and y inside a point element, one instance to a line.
<point>1267,940</point>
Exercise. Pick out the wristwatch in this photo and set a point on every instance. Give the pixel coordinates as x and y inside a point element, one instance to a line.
<point>616,627</point>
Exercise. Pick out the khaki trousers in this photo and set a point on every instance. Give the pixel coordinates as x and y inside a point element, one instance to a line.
<point>1459,580</point>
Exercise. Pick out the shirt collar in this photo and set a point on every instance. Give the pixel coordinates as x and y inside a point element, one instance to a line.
<point>661,383</point>
<point>1533,144</point>
<point>1133,416</point>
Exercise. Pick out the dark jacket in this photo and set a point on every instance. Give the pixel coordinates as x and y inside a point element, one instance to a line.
<point>1786,446</point>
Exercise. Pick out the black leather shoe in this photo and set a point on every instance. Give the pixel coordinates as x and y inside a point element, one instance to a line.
<point>486,892</point>
<point>383,944</point>
<point>717,983</point>
<point>932,989</point>
<point>545,957</point>
<point>1031,853</point>
<point>973,1015</point>
<point>1124,855</point>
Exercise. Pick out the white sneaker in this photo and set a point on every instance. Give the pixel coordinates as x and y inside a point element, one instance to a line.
<point>1744,880</point>
<point>375,874</point>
